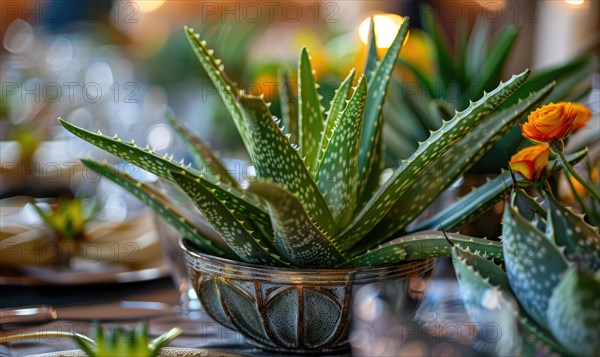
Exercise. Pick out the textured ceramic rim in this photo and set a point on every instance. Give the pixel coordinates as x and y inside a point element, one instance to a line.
<point>212,265</point>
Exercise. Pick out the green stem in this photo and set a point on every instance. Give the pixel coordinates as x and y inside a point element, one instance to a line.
<point>584,208</point>
<point>546,187</point>
<point>574,173</point>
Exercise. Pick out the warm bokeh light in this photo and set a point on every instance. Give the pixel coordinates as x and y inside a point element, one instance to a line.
<point>386,28</point>
<point>149,5</point>
<point>496,5</point>
<point>575,2</point>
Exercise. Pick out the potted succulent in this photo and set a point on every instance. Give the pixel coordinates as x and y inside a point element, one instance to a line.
<point>292,249</point>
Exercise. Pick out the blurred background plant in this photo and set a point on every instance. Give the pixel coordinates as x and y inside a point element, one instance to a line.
<point>67,218</point>
<point>448,75</point>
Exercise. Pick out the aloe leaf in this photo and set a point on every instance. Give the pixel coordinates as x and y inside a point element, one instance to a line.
<point>567,84</point>
<point>285,168</point>
<point>162,166</point>
<point>47,218</point>
<point>289,104</point>
<point>468,207</point>
<point>479,200</point>
<point>370,148</point>
<point>428,152</point>
<point>485,269</point>
<point>422,245</point>
<point>477,47</point>
<point>337,176</point>
<point>310,118</point>
<point>443,57</point>
<point>424,81</point>
<point>558,74</point>
<point>164,208</point>
<point>574,313</point>
<point>407,125</point>
<point>372,58</point>
<point>226,88</point>
<point>202,154</point>
<point>444,108</point>
<point>368,188</point>
<point>527,206</point>
<point>337,105</point>
<point>496,59</point>
<point>533,264</point>
<point>458,159</point>
<point>86,346</point>
<point>478,277</point>
<point>461,42</point>
<point>245,242</point>
<point>240,202</point>
<point>297,236</point>
<point>427,113</point>
<point>485,299</point>
<point>145,158</point>
<point>581,241</point>
<point>164,339</point>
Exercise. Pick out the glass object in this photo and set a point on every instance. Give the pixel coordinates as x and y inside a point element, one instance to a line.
<point>388,323</point>
<point>169,240</point>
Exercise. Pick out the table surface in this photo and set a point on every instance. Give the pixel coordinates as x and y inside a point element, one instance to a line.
<point>200,331</point>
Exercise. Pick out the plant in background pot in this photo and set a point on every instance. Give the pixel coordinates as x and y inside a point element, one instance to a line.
<point>318,220</point>
<point>67,219</point>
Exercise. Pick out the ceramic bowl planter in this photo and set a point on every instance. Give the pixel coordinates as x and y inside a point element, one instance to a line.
<point>288,310</point>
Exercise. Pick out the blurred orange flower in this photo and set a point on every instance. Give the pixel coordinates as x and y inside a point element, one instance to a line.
<point>531,162</point>
<point>555,121</point>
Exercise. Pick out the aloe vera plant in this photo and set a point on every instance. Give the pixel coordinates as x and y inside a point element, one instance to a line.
<point>318,202</point>
<point>551,272</point>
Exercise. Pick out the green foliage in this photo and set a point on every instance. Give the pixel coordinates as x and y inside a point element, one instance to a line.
<point>207,160</point>
<point>480,199</point>
<point>310,110</point>
<point>321,204</point>
<point>463,69</point>
<point>125,342</point>
<point>161,204</point>
<point>550,283</point>
<point>574,313</point>
<point>68,217</point>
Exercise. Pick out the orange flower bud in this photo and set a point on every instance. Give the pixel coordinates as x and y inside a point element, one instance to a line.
<point>583,115</point>
<point>548,123</point>
<point>531,162</point>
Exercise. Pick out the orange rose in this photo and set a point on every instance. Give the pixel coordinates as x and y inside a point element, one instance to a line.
<point>531,162</point>
<point>583,115</point>
<point>548,123</point>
